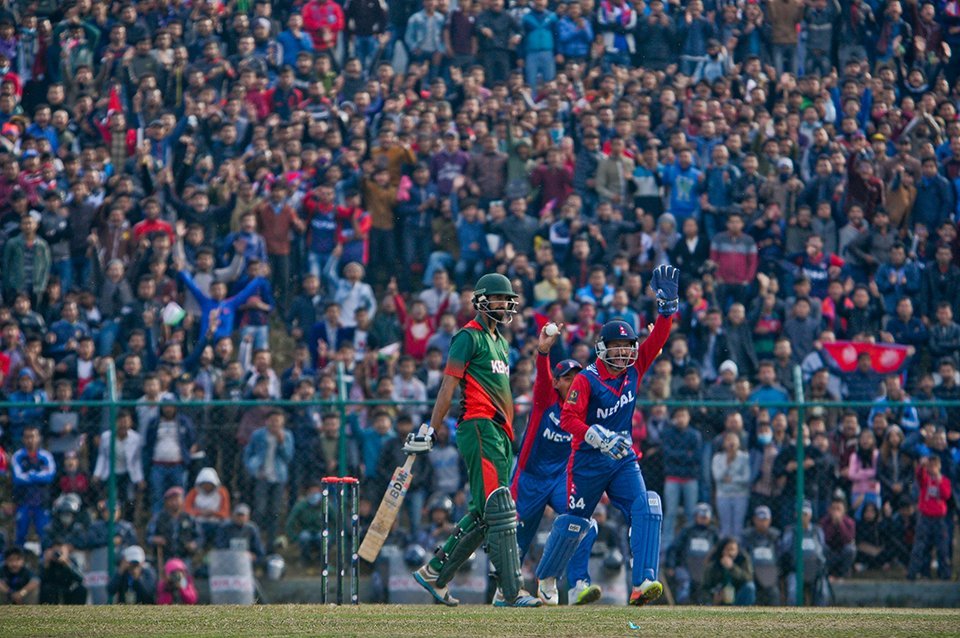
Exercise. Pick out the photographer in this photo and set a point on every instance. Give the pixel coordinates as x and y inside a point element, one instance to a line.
<point>177,586</point>
<point>61,582</point>
<point>135,581</point>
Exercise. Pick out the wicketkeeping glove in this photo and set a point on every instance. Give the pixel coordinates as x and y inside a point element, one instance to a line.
<point>666,283</point>
<point>614,445</point>
<point>419,442</point>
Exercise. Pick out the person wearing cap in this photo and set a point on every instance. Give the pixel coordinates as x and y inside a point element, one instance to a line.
<point>761,542</point>
<point>135,581</point>
<point>27,261</point>
<point>238,532</point>
<point>814,557</point>
<point>686,556</point>
<point>172,532</point>
<point>540,476</point>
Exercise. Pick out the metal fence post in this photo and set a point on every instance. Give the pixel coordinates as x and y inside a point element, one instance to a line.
<point>798,530</point>
<point>342,408</point>
<point>112,479</point>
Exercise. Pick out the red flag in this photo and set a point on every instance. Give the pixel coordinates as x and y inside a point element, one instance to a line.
<point>885,358</point>
<point>540,320</point>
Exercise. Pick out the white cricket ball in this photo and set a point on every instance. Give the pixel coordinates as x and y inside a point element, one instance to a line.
<point>551,329</point>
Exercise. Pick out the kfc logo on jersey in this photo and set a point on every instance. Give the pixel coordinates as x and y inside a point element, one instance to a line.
<point>500,367</point>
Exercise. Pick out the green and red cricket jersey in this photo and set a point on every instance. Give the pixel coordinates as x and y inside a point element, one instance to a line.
<point>480,360</point>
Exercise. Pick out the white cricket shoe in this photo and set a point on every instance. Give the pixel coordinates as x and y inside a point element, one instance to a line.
<point>547,591</point>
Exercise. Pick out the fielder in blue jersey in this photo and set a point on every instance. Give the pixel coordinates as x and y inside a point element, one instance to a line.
<point>598,412</point>
<point>540,476</point>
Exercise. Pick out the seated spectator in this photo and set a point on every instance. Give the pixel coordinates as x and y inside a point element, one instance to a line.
<point>729,575</point>
<point>839,534</point>
<point>239,534</point>
<point>176,587</point>
<point>305,524</point>
<point>208,502</point>
<point>17,581</point>
<point>135,581</point>
<point>171,531</point>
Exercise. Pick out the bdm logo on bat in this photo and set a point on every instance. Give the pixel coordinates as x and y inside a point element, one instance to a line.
<point>400,480</point>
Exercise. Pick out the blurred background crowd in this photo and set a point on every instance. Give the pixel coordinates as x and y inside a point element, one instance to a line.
<point>235,200</point>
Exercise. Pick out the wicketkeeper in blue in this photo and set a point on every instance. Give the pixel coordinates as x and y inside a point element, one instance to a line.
<point>540,476</point>
<point>598,412</point>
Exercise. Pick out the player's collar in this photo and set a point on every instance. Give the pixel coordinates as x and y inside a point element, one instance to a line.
<point>604,372</point>
<point>478,324</point>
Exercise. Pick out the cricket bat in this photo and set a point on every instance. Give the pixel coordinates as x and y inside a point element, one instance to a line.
<point>387,512</point>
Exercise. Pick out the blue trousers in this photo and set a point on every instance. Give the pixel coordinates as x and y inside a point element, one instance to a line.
<point>27,514</point>
<point>539,64</point>
<point>162,478</point>
<point>592,474</point>
<point>532,495</point>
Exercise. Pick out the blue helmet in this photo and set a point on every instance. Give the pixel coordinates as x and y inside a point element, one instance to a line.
<point>618,357</point>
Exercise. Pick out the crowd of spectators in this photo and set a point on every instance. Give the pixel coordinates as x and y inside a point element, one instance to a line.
<point>232,200</point>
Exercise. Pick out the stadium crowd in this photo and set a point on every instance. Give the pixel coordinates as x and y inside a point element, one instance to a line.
<point>228,199</point>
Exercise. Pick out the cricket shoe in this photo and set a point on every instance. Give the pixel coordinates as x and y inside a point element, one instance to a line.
<point>523,599</point>
<point>427,578</point>
<point>584,593</point>
<point>547,591</point>
<point>647,592</point>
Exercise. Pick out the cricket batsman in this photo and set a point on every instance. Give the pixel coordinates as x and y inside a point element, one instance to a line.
<point>598,411</point>
<point>540,478</point>
<point>478,363</point>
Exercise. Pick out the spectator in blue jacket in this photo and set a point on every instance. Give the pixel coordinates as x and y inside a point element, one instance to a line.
<point>681,468</point>
<point>168,442</point>
<point>539,43</point>
<point>898,278</point>
<point>267,459</point>
<point>935,196</point>
<point>33,473</point>
<point>768,390</point>
<point>575,34</point>
<point>473,244</point>
<point>34,412</point>
<point>294,40</point>
<point>224,307</point>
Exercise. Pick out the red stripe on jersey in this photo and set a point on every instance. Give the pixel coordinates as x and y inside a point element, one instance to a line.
<point>544,396</point>
<point>481,405</point>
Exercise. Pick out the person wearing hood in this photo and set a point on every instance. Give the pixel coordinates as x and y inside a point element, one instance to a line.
<point>208,502</point>
<point>176,588</point>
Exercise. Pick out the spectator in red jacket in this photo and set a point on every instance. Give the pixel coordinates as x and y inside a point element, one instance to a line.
<point>324,21</point>
<point>736,258</point>
<point>931,532</point>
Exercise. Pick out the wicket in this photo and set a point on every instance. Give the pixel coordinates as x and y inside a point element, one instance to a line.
<point>348,497</point>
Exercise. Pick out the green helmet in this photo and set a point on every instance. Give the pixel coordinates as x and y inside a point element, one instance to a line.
<point>495,284</point>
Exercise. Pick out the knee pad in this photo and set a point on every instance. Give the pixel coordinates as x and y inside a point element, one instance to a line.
<point>567,532</point>
<point>646,515</point>
<point>500,516</point>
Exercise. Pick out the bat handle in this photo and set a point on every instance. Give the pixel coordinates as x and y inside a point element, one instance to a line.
<point>408,464</point>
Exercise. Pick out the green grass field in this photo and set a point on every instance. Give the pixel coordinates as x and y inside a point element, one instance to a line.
<point>468,621</point>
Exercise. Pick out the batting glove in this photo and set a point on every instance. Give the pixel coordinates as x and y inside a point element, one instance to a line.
<point>419,442</point>
<point>666,283</point>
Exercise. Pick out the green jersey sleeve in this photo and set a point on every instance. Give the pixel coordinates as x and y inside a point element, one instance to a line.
<point>462,349</point>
